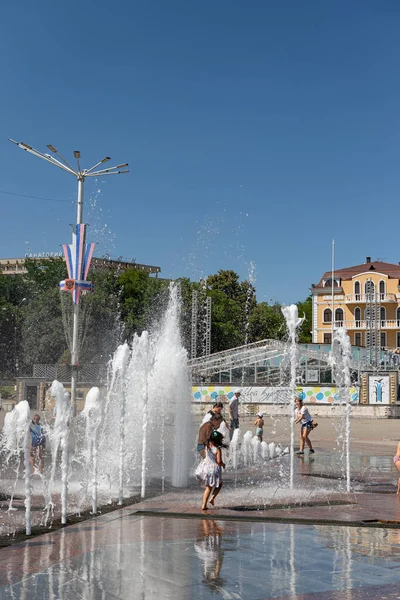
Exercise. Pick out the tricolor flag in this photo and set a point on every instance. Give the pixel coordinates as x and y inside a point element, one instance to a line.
<point>78,256</point>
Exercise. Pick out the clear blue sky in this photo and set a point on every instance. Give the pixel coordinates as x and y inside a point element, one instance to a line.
<point>255,131</point>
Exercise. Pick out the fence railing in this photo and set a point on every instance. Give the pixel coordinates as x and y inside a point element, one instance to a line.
<point>90,373</point>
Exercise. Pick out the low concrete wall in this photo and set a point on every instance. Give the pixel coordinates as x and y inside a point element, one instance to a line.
<point>358,411</point>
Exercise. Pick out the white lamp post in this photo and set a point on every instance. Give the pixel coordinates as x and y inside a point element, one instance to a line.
<point>80,175</point>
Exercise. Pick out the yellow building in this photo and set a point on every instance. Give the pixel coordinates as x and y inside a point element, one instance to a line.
<point>365,299</point>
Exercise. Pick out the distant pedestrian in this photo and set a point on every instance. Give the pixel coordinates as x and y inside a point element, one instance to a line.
<point>259,423</point>
<point>234,411</point>
<point>38,443</point>
<point>216,411</point>
<point>205,432</point>
<point>301,415</point>
<point>396,460</point>
<point>210,468</point>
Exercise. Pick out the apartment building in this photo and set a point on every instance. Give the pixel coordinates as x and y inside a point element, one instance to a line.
<point>365,299</point>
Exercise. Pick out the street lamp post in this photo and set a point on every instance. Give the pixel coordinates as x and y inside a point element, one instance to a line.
<point>80,175</point>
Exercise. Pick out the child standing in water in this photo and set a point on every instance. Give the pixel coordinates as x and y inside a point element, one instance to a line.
<point>210,468</point>
<point>396,460</point>
<point>301,415</point>
<point>259,423</point>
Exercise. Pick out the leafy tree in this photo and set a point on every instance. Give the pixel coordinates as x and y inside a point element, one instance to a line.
<point>305,309</point>
<point>267,322</point>
<point>138,293</point>
<point>45,274</point>
<point>43,339</point>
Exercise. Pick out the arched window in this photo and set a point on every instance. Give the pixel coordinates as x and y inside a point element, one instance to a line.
<point>357,316</point>
<point>327,315</point>
<point>382,289</point>
<point>339,317</point>
<point>357,290</point>
<point>328,283</point>
<point>398,316</point>
<point>383,316</point>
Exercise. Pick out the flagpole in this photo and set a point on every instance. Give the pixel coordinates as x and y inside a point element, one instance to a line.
<point>333,289</point>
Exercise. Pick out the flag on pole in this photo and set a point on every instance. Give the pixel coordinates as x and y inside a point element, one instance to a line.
<point>78,256</point>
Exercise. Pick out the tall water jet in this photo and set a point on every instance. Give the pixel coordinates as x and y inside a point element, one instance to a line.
<point>150,394</point>
<point>93,413</point>
<point>117,389</point>
<point>292,322</point>
<point>340,359</point>
<point>170,383</point>
<point>60,440</point>
<point>144,352</point>
<point>17,438</point>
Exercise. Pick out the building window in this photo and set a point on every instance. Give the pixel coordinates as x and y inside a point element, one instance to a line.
<point>398,339</point>
<point>383,339</point>
<point>327,315</point>
<point>383,316</point>
<point>382,289</point>
<point>357,290</point>
<point>358,339</point>
<point>327,338</point>
<point>339,317</point>
<point>398,316</point>
<point>357,316</point>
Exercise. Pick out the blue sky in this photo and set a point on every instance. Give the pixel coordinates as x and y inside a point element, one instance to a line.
<point>256,132</point>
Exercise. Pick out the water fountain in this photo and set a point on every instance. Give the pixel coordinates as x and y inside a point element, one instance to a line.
<point>292,322</point>
<point>340,359</point>
<point>139,424</point>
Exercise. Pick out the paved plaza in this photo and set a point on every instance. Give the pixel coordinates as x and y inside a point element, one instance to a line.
<point>262,541</point>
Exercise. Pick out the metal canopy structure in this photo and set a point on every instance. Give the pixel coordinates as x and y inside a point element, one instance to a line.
<point>265,362</point>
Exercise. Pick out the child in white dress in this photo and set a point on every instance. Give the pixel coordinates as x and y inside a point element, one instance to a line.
<point>210,468</point>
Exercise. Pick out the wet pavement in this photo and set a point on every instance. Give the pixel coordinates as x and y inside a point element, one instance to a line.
<point>262,541</point>
<point>124,555</point>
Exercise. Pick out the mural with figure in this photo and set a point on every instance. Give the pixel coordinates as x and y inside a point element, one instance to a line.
<point>379,389</point>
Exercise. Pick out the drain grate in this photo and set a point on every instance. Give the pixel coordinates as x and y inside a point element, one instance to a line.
<point>316,504</point>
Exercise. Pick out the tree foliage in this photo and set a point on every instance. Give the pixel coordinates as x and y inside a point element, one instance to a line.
<point>32,323</point>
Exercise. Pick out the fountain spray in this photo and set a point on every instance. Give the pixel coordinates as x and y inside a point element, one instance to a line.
<point>292,322</point>
<point>340,358</point>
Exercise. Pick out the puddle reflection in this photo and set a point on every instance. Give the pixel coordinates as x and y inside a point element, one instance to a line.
<point>208,547</point>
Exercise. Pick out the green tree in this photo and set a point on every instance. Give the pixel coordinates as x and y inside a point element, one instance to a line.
<point>233,303</point>
<point>305,309</point>
<point>138,294</point>
<point>266,322</point>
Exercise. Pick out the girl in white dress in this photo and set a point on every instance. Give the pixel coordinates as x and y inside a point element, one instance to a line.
<point>210,468</point>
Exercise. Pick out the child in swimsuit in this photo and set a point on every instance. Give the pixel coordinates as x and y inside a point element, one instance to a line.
<point>301,415</point>
<point>396,460</point>
<point>259,423</point>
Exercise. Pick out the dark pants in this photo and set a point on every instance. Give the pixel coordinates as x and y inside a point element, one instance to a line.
<point>234,424</point>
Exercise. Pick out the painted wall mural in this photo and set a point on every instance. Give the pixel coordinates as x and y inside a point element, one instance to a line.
<point>271,395</point>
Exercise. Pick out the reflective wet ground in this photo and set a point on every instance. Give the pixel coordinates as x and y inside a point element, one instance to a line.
<point>127,556</point>
<point>166,548</point>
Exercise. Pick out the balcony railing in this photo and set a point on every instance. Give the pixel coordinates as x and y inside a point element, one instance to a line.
<point>385,324</point>
<point>364,298</point>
